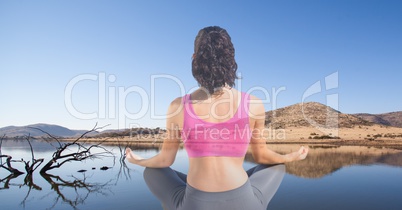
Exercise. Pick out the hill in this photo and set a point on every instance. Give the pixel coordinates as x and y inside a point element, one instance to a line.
<point>312,114</point>
<point>55,130</point>
<point>389,119</point>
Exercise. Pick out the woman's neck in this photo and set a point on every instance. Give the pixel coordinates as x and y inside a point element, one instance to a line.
<point>202,94</point>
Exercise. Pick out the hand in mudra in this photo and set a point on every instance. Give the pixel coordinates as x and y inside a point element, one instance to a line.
<point>301,154</point>
<point>131,157</point>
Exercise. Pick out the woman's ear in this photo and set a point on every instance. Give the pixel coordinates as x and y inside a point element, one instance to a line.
<point>193,56</point>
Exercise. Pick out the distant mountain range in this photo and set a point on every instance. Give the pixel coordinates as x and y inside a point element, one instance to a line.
<point>297,115</point>
<point>391,119</point>
<point>54,130</point>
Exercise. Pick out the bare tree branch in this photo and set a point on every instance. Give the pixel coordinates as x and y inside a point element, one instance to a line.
<point>54,138</point>
<point>30,168</point>
<point>81,152</point>
<point>1,143</point>
<point>7,165</point>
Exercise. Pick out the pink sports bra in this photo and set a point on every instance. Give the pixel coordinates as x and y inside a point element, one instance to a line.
<point>205,139</point>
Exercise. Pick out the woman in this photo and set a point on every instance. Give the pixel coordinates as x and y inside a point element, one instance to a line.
<point>217,123</point>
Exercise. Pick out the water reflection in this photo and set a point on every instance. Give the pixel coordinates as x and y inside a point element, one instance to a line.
<point>80,187</point>
<point>73,191</point>
<point>65,188</point>
<point>326,159</point>
<point>6,181</point>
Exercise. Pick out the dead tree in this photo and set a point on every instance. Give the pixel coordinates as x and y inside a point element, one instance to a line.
<point>74,151</point>
<point>9,159</point>
<point>7,164</point>
<point>30,168</point>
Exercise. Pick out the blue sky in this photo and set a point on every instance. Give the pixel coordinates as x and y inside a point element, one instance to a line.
<point>143,51</point>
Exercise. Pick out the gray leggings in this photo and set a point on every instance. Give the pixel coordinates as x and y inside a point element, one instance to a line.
<point>170,187</point>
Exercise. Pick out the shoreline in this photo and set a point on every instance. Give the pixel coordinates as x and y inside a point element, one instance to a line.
<point>375,135</point>
<point>358,136</point>
<point>336,142</point>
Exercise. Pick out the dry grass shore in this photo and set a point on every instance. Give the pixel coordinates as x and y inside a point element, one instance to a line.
<point>375,135</point>
<point>360,135</point>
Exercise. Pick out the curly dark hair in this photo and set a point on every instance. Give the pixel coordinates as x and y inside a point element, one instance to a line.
<point>214,64</point>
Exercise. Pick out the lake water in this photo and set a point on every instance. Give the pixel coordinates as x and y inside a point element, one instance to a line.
<point>332,177</point>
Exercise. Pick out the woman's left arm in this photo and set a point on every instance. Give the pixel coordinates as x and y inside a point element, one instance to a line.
<point>171,143</point>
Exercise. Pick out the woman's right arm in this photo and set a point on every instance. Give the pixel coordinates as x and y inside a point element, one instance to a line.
<point>261,153</point>
<point>171,143</point>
